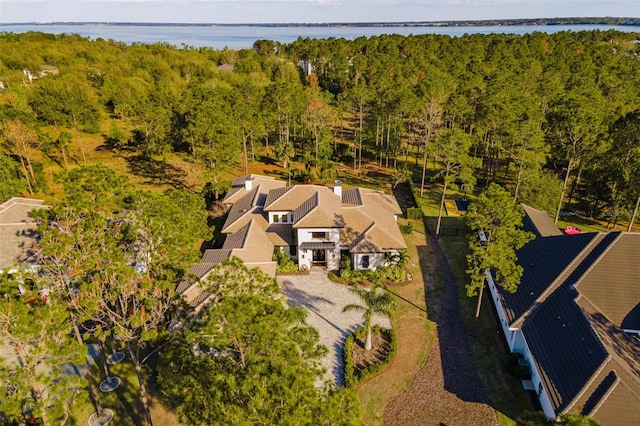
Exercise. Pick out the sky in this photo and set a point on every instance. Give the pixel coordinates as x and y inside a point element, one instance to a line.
<point>304,11</point>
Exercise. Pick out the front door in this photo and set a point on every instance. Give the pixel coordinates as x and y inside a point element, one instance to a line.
<point>319,256</point>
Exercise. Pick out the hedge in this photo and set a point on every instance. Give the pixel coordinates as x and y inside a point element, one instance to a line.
<point>350,378</point>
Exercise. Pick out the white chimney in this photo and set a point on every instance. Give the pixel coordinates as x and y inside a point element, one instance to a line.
<point>248,183</point>
<point>337,188</point>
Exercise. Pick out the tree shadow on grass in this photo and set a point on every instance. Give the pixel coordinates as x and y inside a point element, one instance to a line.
<point>156,172</point>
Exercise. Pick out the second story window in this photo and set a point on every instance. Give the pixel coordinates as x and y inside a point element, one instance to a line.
<point>319,235</point>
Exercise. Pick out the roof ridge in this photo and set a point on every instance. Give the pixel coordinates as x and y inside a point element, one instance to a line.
<point>362,235</point>
<point>562,276</point>
<point>306,207</point>
<point>593,376</point>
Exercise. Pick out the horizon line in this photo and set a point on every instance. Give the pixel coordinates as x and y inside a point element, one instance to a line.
<point>523,21</point>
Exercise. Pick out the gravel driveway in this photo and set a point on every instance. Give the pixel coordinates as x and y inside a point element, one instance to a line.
<point>324,300</point>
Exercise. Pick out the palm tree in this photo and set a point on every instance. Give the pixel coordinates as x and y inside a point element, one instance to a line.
<point>396,258</point>
<point>374,301</point>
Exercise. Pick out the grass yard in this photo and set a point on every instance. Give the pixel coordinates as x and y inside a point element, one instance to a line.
<point>123,400</point>
<point>415,334</point>
<point>489,349</point>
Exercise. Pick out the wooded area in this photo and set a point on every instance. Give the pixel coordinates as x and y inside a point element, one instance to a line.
<point>554,119</point>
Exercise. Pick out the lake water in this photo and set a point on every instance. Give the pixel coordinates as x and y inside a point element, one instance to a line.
<point>241,37</point>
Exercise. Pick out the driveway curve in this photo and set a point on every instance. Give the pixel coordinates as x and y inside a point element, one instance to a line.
<point>323,299</point>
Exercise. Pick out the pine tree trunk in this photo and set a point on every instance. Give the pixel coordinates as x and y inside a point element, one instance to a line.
<point>93,388</point>
<point>564,188</point>
<point>635,213</point>
<point>142,390</point>
<point>444,193</point>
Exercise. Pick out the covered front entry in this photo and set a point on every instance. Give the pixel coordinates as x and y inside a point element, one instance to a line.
<point>319,257</point>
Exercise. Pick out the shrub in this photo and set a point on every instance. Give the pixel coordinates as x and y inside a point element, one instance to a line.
<point>520,372</point>
<point>414,213</point>
<point>407,228</point>
<point>285,264</point>
<point>351,376</point>
<point>393,273</point>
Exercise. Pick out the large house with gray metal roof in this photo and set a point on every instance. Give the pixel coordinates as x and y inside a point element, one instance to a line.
<point>576,319</point>
<point>313,224</point>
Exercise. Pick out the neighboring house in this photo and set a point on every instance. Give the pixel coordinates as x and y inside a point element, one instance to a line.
<point>576,319</point>
<point>314,224</point>
<point>17,232</point>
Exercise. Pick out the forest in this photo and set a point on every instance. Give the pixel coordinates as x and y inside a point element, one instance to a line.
<point>554,119</point>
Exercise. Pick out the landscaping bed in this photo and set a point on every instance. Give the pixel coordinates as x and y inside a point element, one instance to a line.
<point>361,363</point>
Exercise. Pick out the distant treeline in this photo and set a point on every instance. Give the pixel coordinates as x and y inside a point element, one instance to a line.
<point>456,23</point>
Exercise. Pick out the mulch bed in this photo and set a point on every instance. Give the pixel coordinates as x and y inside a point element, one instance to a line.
<point>380,348</point>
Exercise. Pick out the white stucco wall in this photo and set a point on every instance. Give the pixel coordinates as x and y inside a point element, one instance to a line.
<point>375,260</point>
<point>332,257</point>
<point>283,214</point>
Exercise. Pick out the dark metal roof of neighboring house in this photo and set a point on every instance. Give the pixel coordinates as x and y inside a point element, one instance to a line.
<point>564,347</point>
<point>543,260</point>
<point>612,283</point>
<point>539,222</point>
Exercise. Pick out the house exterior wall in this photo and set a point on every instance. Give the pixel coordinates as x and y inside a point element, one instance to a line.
<point>332,256</point>
<point>518,343</point>
<point>283,217</point>
<point>363,261</point>
<point>508,332</point>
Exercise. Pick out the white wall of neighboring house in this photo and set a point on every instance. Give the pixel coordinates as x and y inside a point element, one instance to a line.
<point>508,332</point>
<point>517,343</point>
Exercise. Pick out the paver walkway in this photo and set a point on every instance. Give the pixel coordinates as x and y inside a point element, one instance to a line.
<point>324,300</point>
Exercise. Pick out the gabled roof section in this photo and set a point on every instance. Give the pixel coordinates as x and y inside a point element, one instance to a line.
<point>273,196</point>
<point>323,209</point>
<point>370,223</point>
<point>565,349</point>
<point>237,190</point>
<point>386,201</point>
<point>544,259</point>
<point>612,283</point>
<point>539,222</point>
<point>250,243</point>
<point>245,209</point>
<point>619,407</point>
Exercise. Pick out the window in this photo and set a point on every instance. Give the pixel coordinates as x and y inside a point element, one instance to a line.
<point>365,261</point>
<point>276,218</point>
<point>319,235</point>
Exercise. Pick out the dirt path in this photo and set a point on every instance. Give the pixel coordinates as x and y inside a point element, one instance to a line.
<point>448,389</point>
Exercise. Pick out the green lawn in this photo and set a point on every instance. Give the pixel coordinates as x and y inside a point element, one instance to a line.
<point>489,349</point>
